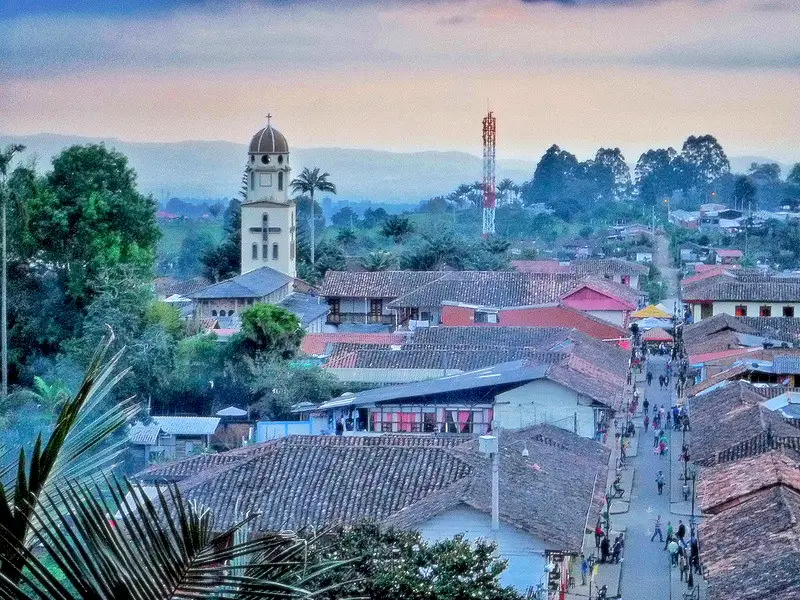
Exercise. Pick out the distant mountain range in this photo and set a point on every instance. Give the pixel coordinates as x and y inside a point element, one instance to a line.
<point>208,170</point>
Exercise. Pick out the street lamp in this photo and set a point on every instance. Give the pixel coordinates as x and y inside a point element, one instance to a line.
<point>488,444</point>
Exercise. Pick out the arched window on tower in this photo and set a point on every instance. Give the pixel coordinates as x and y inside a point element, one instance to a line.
<point>252,180</point>
<point>255,251</point>
<point>280,181</point>
<point>274,251</point>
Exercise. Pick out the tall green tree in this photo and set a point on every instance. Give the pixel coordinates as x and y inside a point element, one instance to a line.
<point>703,160</point>
<point>310,181</point>
<point>268,330</point>
<point>378,260</point>
<point>744,192</point>
<point>656,175</point>
<point>225,261</point>
<point>91,218</point>
<point>5,159</point>
<point>613,160</point>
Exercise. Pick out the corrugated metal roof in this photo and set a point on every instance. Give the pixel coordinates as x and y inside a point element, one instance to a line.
<point>518,371</point>
<point>188,425</point>
<point>144,435</point>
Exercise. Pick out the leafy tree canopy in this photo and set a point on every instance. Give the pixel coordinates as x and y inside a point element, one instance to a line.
<point>268,329</point>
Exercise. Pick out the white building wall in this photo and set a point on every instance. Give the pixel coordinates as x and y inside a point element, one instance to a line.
<point>544,401</point>
<point>524,553</point>
<point>279,216</point>
<point>753,308</point>
<point>616,317</point>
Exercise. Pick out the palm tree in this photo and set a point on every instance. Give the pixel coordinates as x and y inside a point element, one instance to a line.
<point>397,227</point>
<point>5,159</point>
<point>378,260</point>
<point>156,545</point>
<point>308,182</point>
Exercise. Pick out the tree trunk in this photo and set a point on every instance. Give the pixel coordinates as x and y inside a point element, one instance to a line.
<point>313,237</point>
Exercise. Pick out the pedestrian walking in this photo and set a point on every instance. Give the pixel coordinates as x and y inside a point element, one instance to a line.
<point>660,482</point>
<point>661,412</point>
<point>681,530</point>
<point>669,534</point>
<point>657,530</point>
<point>598,534</point>
<point>616,549</point>
<point>646,422</point>
<point>604,549</point>
<point>645,405</point>
<point>672,547</point>
<point>655,434</point>
<point>584,569</point>
<point>694,554</point>
<point>661,382</point>
<point>649,378</point>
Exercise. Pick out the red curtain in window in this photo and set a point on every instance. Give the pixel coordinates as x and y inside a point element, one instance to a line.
<point>376,421</point>
<point>463,420</point>
<point>406,419</point>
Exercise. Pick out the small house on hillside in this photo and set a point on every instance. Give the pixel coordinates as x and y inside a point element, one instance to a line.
<point>168,438</point>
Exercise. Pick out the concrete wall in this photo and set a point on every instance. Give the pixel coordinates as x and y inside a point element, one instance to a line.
<point>544,401</point>
<point>524,553</point>
<point>615,317</point>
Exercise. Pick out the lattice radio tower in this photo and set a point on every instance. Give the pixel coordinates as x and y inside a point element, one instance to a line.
<point>489,192</point>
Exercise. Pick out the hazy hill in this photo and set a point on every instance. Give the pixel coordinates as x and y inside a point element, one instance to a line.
<point>196,169</point>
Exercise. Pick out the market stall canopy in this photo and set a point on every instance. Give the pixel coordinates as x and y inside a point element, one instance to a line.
<point>657,335</point>
<point>652,323</point>
<point>651,311</point>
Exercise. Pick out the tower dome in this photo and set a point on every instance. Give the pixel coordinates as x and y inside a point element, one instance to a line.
<point>268,141</point>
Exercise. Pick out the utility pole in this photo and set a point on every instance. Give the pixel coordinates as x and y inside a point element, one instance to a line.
<point>489,445</point>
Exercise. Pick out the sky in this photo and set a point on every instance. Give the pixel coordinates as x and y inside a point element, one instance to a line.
<point>409,75</point>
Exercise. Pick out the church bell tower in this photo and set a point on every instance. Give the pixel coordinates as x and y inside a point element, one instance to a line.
<point>268,214</point>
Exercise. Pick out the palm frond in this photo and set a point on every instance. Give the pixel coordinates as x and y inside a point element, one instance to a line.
<point>157,546</point>
<point>73,450</point>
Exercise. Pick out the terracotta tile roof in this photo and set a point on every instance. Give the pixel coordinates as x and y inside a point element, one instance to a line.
<point>727,416</point>
<point>744,288</point>
<point>765,441</point>
<point>752,551</point>
<point>702,329</point>
<point>564,316</point>
<point>316,344</point>
<point>355,356</point>
<point>734,482</point>
<point>379,284</point>
<point>702,275</point>
<point>780,328</point>
<point>602,267</point>
<point>168,286</point>
<point>618,291</point>
<point>488,336</point>
<point>490,288</point>
<point>405,480</point>
<point>589,380</point>
<point>539,266</point>
<point>656,335</point>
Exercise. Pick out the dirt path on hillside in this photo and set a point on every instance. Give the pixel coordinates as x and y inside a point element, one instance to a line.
<point>664,262</point>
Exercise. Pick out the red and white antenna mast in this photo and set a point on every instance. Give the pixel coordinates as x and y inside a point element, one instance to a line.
<point>489,192</point>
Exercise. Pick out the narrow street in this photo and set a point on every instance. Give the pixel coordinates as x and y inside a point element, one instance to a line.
<point>646,568</point>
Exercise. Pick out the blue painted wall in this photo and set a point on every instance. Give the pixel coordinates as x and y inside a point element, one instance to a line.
<point>524,553</point>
